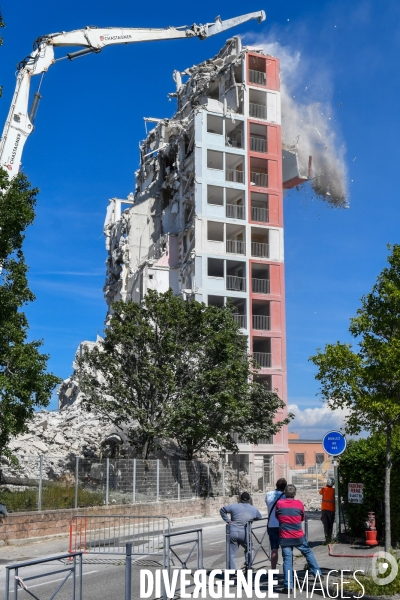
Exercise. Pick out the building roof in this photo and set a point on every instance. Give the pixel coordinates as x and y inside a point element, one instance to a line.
<point>301,441</point>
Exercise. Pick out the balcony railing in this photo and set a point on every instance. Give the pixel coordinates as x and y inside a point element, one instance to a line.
<point>261,322</point>
<point>234,175</point>
<point>261,215</point>
<point>258,144</point>
<point>258,111</point>
<point>257,77</point>
<point>240,320</point>
<point>263,359</point>
<point>238,284</point>
<point>235,211</point>
<point>259,179</point>
<point>236,247</point>
<point>259,249</point>
<point>260,286</point>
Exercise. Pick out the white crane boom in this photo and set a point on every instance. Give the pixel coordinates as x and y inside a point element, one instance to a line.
<point>19,124</point>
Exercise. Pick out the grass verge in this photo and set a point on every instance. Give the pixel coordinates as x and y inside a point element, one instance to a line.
<point>54,496</point>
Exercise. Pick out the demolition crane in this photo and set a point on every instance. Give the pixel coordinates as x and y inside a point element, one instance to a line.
<point>20,122</point>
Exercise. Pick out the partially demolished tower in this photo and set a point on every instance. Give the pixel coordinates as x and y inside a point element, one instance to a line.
<point>206,218</point>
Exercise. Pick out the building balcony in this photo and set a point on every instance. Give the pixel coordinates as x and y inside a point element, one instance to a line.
<point>240,320</point>
<point>261,215</point>
<point>258,111</point>
<point>235,247</point>
<point>257,77</point>
<point>261,322</point>
<point>259,179</point>
<point>237,284</point>
<point>234,142</point>
<point>263,359</point>
<point>258,144</point>
<point>235,211</point>
<point>234,175</point>
<point>260,286</point>
<point>259,250</point>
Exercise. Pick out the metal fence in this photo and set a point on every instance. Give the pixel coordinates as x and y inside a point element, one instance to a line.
<point>182,548</point>
<point>48,482</point>
<point>109,534</point>
<point>311,477</point>
<point>71,572</point>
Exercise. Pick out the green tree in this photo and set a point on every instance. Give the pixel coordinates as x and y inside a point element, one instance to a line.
<point>363,461</point>
<point>174,369</point>
<point>24,383</point>
<point>367,380</point>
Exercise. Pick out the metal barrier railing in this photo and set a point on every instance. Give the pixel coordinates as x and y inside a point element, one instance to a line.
<point>69,570</point>
<point>194,543</point>
<point>109,534</point>
<point>257,541</point>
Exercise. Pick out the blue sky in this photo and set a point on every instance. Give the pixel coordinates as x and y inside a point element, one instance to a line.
<point>84,150</point>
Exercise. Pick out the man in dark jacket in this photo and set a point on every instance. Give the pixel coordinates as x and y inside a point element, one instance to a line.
<point>290,515</point>
<point>241,513</point>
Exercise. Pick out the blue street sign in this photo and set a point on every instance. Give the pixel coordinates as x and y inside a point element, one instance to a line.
<point>334,443</point>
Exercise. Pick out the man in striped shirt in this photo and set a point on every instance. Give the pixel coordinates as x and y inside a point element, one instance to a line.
<point>290,515</point>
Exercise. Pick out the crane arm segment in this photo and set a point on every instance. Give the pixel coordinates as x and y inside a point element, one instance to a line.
<point>19,124</point>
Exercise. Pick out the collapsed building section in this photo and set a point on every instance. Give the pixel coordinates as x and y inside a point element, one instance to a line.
<point>206,218</point>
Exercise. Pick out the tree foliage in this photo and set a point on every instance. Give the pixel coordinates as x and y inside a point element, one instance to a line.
<point>367,380</point>
<point>174,369</point>
<point>363,462</point>
<point>24,383</point>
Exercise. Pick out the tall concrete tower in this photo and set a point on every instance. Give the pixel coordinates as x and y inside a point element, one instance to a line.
<point>206,218</point>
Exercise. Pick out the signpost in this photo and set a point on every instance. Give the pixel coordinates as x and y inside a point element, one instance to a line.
<point>334,443</point>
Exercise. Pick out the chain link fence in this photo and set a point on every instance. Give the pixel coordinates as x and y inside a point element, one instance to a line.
<point>311,477</point>
<point>56,482</point>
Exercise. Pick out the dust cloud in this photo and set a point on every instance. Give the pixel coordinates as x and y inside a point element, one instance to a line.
<point>309,128</point>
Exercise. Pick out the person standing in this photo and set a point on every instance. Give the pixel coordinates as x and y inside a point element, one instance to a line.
<point>328,508</point>
<point>273,526</point>
<point>290,515</point>
<point>240,514</point>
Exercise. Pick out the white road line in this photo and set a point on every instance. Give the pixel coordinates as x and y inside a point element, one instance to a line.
<point>54,581</point>
<point>213,543</point>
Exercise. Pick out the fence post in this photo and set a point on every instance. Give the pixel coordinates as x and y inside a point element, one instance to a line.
<point>179,479</point>
<point>76,481</point>
<point>134,482</point>
<point>158,481</point>
<point>208,480</point>
<point>249,544</point>
<point>316,474</point>
<point>228,545</point>
<point>251,476</point>
<point>223,481</point>
<point>128,572</point>
<point>80,576</point>
<point>107,478</point>
<point>40,482</point>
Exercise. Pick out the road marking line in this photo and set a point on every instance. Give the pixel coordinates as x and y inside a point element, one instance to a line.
<point>56,580</point>
<point>213,543</point>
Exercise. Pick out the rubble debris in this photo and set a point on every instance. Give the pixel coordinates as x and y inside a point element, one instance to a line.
<point>150,245</point>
